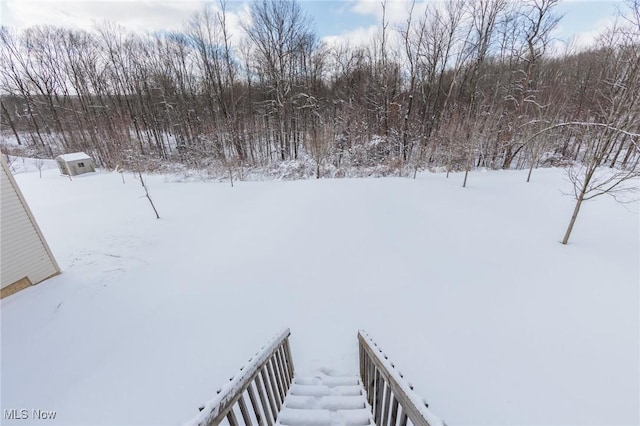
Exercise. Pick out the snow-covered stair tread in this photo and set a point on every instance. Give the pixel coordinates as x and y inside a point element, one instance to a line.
<point>330,402</point>
<point>327,401</point>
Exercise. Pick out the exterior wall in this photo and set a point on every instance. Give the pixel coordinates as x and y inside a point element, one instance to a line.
<point>62,166</point>
<point>76,169</point>
<point>23,251</point>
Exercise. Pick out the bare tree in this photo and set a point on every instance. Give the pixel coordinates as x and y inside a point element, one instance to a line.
<point>39,163</point>
<point>620,121</point>
<point>279,32</point>
<point>146,194</point>
<point>536,22</point>
<point>590,182</point>
<point>471,86</point>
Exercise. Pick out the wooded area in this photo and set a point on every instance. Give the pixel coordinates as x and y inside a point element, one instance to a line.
<point>467,83</point>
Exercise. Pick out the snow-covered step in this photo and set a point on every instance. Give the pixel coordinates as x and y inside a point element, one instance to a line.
<point>310,390</point>
<point>331,381</point>
<point>321,390</point>
<point>330,402</point>
<point>311,417</point>
<point>322,400</point>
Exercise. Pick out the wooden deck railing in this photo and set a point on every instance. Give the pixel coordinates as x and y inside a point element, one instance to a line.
<point>390,397</point>
<point>256,394</point>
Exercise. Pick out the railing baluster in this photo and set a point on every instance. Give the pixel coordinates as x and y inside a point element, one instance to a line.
<point>403,418</point>
<point>287,349</point>
<point>394,410</point>
<point>285,371</point>
<point>269,389</point>
<point>367,374</point>
<point>267,404</point>
<point>364,376</point>
<point>277,366</point>
<point>274,385</point>
<point>254,404</point>
<point>281,373</point>
<point>279,381</point>
<point>363,367</point>
<point>361,360</point>
<point>372,378</point>
<point>243,411</point>
<point>378,398</point>
<point>275,382</point>
<point>285,358</point>
<point>386,405</point>
<point>231,417</point>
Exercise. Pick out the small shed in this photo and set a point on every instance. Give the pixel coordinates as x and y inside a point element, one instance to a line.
<point>75,163</point>
<point>25,257</point>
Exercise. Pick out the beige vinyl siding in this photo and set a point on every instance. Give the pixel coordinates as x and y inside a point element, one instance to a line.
<point>23,251</point>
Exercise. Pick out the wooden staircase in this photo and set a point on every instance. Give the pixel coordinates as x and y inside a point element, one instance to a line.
<point>266,393</point>
<point>322,400</point>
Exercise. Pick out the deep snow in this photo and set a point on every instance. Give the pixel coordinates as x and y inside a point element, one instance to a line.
<point>468,291</point>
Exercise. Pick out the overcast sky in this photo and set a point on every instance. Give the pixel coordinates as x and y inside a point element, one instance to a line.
<point>335,21</point>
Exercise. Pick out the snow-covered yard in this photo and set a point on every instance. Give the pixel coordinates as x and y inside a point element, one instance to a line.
<point>468,291</point>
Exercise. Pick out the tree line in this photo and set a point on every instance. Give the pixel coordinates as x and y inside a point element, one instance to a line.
<point>459,85</point>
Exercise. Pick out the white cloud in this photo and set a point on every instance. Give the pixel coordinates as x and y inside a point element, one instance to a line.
<point>580,40</point>
<point>396,14</point>
<point>135,15</point>
<point>396,11</point>
<point>235,20</point>
<point>362,36</point>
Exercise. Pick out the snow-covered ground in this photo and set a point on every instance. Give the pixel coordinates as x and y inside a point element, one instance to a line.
<point>468,291</point>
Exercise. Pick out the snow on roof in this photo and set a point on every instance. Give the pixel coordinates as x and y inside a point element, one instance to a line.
<point>74,156</point>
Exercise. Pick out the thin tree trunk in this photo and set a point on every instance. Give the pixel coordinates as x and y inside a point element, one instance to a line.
<point>15,133</point>
<point>146,191</point>
<point>572,222</point>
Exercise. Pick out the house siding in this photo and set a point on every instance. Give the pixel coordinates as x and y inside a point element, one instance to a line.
<point>23,251</point>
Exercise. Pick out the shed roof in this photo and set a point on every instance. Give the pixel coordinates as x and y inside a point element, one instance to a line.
<point>74,156</point>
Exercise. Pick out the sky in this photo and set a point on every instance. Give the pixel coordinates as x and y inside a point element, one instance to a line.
<point>335,21</point>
